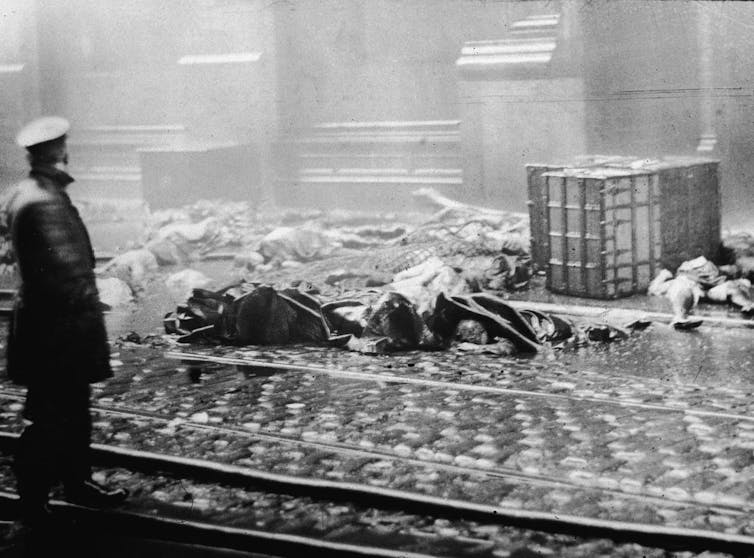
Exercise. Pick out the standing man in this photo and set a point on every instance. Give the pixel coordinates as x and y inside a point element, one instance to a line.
<point>57,342</point>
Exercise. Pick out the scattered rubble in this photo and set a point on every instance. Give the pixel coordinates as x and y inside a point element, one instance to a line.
<point>700,279</point>
<point>114,292</point>
<point>458,251</point>
<point>133,268</point>
<point>300,244</point>
<point>182,283</point>
<point>739,249</point>
<point>422,284</point>
<point>248,260</point>
<point>168,252</point>
<point>132,339</point>
<point>7,255</point>
<point>210,224</point>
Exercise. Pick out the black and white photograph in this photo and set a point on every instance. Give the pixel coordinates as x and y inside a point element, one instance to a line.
<point>376,278</point>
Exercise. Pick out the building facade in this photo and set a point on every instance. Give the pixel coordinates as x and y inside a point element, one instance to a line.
<point>322,101</point>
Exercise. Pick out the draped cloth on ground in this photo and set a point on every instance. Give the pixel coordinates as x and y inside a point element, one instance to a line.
<point>264,315</point>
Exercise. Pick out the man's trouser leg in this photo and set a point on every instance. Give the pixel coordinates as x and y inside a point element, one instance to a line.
<point>56,445</point>
<point>76,434</point>
<point>34,475</point>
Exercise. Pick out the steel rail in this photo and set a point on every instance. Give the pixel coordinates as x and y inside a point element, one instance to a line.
<point>502,473</point>
<point>209,535</point>
<point>584,311</point>
<point>548,367</point>
<point>456,386</point>
<point>7,441</point>
<point>502,360</point>
<point>541,367</point>
<point>386,498</point>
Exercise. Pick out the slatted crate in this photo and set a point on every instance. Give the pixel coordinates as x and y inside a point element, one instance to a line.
<point>538,199</point>
<point>689,206</point>
<point>603,231</point>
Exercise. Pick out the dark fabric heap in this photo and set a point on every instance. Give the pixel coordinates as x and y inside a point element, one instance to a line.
<point>262,315</point>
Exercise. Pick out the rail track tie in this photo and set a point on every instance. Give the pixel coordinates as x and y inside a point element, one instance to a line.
<point>143,526</point>
<point>671,538</point>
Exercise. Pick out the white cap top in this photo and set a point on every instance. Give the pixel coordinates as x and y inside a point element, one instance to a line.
<point>41,130</point>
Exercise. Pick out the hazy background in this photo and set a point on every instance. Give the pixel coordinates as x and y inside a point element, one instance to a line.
<point>359,102</point>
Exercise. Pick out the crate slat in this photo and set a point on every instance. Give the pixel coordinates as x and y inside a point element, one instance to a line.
<point>646,214</point>
<point>597,221</point>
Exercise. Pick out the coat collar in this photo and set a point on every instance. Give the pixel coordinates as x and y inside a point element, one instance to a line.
<point>58,176</point>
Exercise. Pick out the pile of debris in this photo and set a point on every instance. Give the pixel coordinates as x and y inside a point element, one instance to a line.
<point>700,279</point>
<point>387,286</point>
<point>490,248</point>
<point>7,256</point>
<point>738,251</point>
<point>188,233</point>
<point>478,248</point>
<point>726,281</point>
<point>280,242</point>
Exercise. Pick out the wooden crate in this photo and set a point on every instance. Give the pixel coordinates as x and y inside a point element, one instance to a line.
<point>538,199</point>
<point>690,212</point>
<point>539,239</point>
<point>603,231</point>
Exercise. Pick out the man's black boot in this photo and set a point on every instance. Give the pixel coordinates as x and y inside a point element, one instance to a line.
<point>33,490</point>
<point>33,520</point>
<point>36,517</point>
<point>94,495</point>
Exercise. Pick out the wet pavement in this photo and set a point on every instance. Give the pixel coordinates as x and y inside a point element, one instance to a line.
<point>657,429</point>
<point>507,432</point>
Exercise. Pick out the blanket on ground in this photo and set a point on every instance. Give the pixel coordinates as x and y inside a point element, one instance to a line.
<point>263,315</point>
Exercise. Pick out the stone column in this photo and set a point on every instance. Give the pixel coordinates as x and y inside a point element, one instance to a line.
<point>708,139</point>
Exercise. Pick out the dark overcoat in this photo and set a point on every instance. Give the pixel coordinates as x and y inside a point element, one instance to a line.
<point>57,331</point>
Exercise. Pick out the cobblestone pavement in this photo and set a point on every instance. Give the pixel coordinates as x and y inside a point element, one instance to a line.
<point>584,433</point>
<point>657,429</point>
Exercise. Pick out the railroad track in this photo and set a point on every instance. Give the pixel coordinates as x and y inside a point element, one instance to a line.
<point>504,473</point>
<point>384,377</point>
<point>507,474</point>
<point>219,383</point>
<point>576,526</point>
<point>266,366</point>
<point>499,472</point>
<point>183,530</point>
<point>200,537</point>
